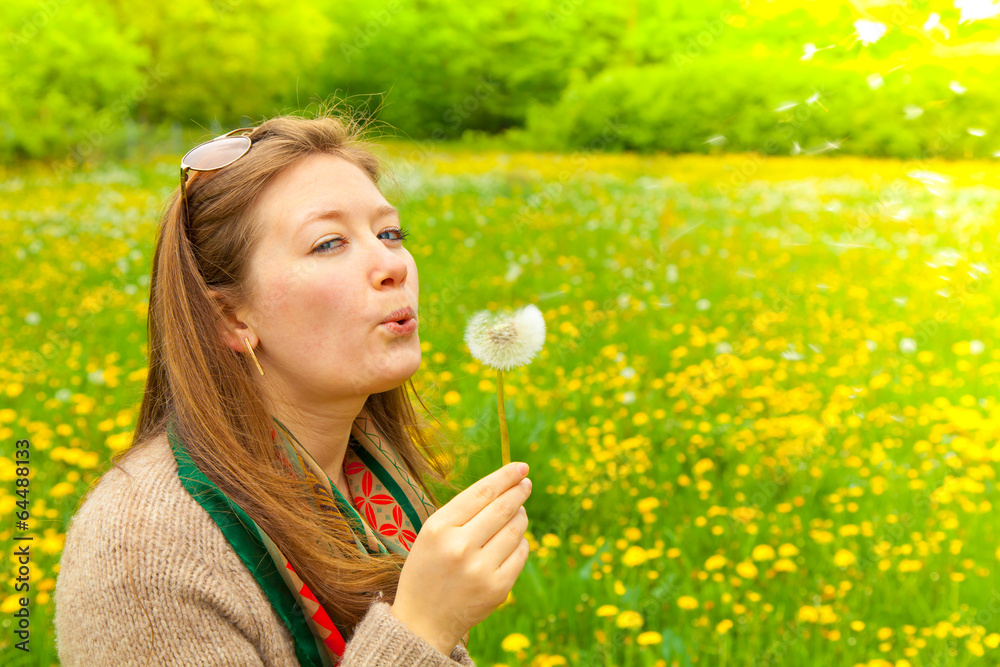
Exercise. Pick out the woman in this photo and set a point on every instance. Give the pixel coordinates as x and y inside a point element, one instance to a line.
<point>282,328</point>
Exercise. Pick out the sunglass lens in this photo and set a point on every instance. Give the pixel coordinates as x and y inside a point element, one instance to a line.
<point>217,153</point>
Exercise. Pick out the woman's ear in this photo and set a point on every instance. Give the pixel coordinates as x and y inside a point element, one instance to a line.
<point>232,329</point>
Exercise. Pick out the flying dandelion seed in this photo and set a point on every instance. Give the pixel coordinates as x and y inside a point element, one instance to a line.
<point>928,177</point>
<point>716,140</point>
<point>869,32</point>
<point>912,111</point>
<point>976,10</point>
<point>875,81</point>
<point>957,88</point>
<point>934,23</point>
<point>907,346</point>
<point>503,341</point>
<point>976,131</point>
<point>809,50</point>
<point>785,106</point>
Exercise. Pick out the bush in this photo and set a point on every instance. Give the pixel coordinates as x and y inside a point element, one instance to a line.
<point>764,105</point>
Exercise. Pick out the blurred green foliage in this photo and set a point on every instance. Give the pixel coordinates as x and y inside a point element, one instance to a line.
<point>85,78</point>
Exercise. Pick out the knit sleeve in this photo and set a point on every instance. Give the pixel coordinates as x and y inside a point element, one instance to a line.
<point>146,578</point>
<point>382,639</point>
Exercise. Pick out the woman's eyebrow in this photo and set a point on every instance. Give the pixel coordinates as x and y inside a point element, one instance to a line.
<point>336,214</point>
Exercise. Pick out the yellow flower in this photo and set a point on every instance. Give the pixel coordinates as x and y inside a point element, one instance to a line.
<point>61,489</point>
<point>550,540</point>
<point>808,614</point>
<point>687,602</point>
<point>607,610</point>
<point>649,638</point>
<point>762,552</point>
<point>788,550</point>
<point>452,398</point>
<point>649,504</point>
<point>640,418</point>
<point>844,558</point>
<point>785,565</point>
<point>724,626</point>
<point>629,619</point>
<point>746,569</point>
<point>633,556</point>
<point>857,626</point>
<point>716,562</point>
<point>515,642</point>
<point>703,466</point>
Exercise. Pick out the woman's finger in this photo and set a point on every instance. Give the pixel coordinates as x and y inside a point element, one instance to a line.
<point>499,547</point>
<point>491,520</point>
<point>511,568</point>
<point>470,502</point>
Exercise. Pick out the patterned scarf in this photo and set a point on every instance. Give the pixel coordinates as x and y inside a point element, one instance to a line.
<point>386,512</point>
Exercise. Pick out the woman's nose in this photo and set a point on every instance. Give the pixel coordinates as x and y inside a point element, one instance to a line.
<point>390,267</point>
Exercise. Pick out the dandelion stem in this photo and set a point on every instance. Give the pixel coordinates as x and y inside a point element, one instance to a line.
<point>504,442</point>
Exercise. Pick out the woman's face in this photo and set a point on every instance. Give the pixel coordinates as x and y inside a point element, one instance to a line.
<point>324,282</point>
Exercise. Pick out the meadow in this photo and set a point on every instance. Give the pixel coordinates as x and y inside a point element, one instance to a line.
<point>762,430</point>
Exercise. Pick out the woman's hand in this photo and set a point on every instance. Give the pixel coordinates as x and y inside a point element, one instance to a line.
<point>465,559</point>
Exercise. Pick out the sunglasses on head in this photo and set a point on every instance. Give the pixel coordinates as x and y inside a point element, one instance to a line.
<point>215,154</point>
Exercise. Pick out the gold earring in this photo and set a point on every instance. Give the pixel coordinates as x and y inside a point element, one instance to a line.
<point>247,340</point>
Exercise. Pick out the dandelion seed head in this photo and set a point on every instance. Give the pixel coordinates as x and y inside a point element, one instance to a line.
<point>506,339</point>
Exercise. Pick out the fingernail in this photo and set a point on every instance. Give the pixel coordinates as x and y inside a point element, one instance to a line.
<point>522,468</point>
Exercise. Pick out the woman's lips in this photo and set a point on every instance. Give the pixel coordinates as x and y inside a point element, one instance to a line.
<point>403,328</point>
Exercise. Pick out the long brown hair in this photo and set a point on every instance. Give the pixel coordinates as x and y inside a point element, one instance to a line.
<point>208,389</point>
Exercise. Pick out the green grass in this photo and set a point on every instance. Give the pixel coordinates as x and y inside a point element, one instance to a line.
<point>796,353</point>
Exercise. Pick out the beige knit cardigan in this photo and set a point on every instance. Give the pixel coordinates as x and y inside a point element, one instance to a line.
<point>141,537</point>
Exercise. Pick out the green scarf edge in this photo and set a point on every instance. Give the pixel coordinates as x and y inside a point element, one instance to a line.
<point>248,547</point>
<point>394,489</point>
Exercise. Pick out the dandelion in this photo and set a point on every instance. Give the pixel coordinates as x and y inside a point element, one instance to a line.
<point>503,341</point>
<point>607,610</point>
<point>844,558</point>
<point>649,638</point>
<point>635,555</point>
<point>687,602</point>
<point>715,562</point>
<point>515,642</point>
<point>762,552</point>
<point>629,619</point>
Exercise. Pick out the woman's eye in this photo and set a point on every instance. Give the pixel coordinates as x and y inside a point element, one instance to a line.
<point>397,230</point>
<point>322,249</point>
<point>326,247</point>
